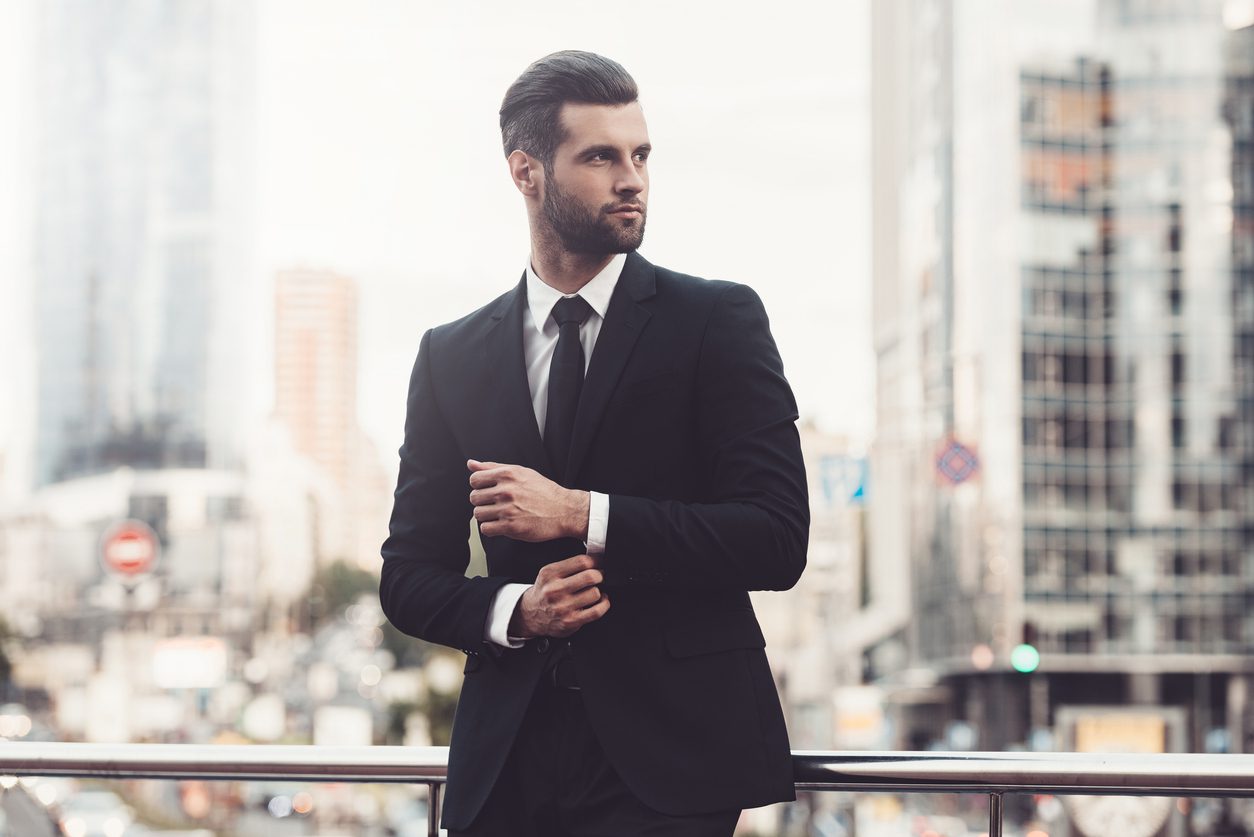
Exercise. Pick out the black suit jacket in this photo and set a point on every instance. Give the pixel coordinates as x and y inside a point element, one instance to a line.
<point>687,423</point>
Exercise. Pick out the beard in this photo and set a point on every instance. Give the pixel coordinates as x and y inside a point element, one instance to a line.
<point>587,231</point>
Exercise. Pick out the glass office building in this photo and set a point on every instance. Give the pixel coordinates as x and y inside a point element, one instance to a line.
<point>1064,296</point>
<point>143,203</point>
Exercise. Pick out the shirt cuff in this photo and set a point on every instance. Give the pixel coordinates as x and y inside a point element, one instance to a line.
<point>598,522</point>
<point>503,603</point>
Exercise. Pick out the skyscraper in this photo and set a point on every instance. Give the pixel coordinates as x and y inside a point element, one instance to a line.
<point>315,367</point>
<point>1057,306</point>
<point>143,202</point>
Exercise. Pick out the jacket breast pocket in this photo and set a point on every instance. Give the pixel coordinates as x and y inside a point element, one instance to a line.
<point>711,631</point>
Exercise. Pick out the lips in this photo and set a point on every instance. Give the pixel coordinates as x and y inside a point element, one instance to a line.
<point>630,209</point>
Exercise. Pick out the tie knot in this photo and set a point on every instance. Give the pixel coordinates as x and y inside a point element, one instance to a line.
<point>571,309</point>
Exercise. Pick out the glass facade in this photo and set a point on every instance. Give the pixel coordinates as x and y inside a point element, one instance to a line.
<point>1067,293</point>
<point>1134,516</point>
<point>141,199</point>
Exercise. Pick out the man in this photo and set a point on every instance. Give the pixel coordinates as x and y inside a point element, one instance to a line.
<point>626,441</point>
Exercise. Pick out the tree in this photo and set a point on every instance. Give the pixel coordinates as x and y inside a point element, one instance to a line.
<point>336,586</point>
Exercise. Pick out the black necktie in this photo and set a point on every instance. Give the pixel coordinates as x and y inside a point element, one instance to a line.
<point>565,380</point>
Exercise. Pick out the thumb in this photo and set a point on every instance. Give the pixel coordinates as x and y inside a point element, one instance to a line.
<point>476,465</point>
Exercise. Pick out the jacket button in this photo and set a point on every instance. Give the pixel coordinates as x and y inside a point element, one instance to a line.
<point>542,645</point>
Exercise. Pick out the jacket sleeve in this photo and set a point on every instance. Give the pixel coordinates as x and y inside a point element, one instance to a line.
<point>423,587</point>
<point>751,529</point>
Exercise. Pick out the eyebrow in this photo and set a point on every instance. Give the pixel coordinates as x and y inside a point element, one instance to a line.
<point>610,149</point>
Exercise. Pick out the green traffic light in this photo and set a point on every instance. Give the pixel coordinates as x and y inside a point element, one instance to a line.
<point>1025,658</point>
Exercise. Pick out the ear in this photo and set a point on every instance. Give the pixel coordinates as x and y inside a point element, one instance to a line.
<point>526,172</point>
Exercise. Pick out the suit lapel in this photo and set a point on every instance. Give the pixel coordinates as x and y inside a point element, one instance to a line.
<point>504,349</point>
<point>625,319</point>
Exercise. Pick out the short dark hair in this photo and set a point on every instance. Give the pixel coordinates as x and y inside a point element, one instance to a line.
<point>531,110</point>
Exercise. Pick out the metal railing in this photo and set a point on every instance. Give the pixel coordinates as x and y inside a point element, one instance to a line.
<point>991,774</point>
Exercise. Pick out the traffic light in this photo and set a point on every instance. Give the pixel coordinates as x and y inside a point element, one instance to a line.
<point>1025,658</point>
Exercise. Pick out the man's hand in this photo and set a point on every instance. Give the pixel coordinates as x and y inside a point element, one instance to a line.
<point>564,598</point>
<point>519,503</point>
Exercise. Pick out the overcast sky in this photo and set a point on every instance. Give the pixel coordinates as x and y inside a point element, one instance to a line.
<point>378,156</point>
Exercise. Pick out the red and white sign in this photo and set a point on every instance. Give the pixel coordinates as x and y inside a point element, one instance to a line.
<point>129,548</point>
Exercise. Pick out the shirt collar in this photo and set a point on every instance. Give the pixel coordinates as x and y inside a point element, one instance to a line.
<point>541,297</point>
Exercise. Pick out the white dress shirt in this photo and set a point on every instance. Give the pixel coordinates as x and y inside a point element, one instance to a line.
<point>539,341</point>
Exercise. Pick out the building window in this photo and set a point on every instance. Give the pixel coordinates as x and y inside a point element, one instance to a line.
<point>1177,369</point>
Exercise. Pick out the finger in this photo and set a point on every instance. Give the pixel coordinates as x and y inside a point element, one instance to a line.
<point>488,478</point>
<point>494,528</point>
<point>572,565</point>
<point>586,598</point>
<point>579,581</point>
<point>487,496</point>
<point>593,613</point>
<point>476,465</point>
<point>486,513</point>
<point>552,573</point>
<point>578,618</point>
<point>579,563</point>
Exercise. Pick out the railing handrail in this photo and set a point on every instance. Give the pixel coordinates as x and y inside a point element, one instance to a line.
<point>290,762</point>
<point>1121,774</point>
<point>1171,774</point>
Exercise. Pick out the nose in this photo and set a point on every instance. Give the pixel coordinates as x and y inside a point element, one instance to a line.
<point>632,180</point>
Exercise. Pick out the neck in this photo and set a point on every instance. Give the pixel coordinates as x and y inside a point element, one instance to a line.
<point>563,270</point>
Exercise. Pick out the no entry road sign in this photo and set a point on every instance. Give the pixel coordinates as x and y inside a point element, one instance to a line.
<point>129,548</point>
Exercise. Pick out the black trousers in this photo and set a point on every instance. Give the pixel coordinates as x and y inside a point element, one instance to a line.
<point>557,782</point>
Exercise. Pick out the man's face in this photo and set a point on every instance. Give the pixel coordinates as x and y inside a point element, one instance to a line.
<point>596,194</point>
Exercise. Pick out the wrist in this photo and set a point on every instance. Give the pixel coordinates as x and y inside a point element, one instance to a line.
<point>517,623</point>
<point>577,521</point>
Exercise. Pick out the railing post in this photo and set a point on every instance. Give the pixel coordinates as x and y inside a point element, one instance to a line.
<point>433,810</point>
<point>994,815</point>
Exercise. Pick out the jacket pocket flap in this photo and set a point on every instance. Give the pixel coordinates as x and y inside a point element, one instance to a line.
<point>713,631</point>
